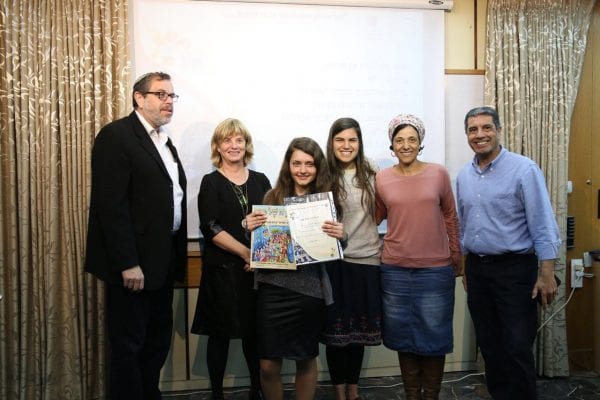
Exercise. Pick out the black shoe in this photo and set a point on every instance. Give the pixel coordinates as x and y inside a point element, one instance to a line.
<point>255,394</point>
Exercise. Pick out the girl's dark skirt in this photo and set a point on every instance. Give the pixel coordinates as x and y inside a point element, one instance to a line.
<point>354,318</point>
<point>289,323</point>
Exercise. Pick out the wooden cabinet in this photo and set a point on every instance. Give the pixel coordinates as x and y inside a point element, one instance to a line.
<point>584,172</point>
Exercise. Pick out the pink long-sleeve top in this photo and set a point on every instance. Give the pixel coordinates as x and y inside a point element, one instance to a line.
<point>422,223</point>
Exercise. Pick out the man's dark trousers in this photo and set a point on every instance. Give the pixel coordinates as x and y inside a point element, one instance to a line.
<point>505,319</point>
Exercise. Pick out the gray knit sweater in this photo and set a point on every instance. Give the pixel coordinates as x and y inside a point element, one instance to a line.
<point>363,246</point>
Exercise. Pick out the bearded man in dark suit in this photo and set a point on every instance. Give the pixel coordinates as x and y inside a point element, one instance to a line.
<point>137,236</point>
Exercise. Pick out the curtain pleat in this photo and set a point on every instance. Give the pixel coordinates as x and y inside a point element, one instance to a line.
<point>64,73</point>
<point>534,57</point>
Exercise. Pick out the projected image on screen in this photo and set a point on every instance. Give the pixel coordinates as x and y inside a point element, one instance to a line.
<point>289,71</point>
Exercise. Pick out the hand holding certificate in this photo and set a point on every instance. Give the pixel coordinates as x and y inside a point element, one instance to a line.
<point>306,215</point>
<point>271,243</point>
<point>294,234</point>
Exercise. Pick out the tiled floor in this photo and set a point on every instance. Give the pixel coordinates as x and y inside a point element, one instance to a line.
<point>456,385</point>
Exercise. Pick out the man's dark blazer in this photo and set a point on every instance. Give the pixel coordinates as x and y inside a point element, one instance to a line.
<point>131,208</point>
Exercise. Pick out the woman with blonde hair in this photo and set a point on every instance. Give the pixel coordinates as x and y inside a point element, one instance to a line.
<point>226,305</point>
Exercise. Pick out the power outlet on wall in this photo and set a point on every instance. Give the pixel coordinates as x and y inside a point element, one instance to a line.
<point>587,259</point>
<point>576,273</point>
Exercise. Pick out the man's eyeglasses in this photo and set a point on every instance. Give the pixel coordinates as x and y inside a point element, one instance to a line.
<point>162,96</point>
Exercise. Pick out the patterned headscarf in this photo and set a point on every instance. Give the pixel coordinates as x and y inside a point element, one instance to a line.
<point>407,119</point>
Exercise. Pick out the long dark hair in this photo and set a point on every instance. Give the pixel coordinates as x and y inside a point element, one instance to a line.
<point>364,171</point>
<point>285,184</point>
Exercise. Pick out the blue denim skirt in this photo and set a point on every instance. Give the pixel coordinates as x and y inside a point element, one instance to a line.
<point>418,308</point>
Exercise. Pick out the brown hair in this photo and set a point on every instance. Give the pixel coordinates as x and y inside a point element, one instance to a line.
<point>142,85</point>
<point>285,184</point>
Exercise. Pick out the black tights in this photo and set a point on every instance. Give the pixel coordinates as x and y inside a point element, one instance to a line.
<point>216,358</point>
<point>344,363</point>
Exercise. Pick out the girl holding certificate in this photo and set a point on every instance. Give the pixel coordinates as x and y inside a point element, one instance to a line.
<point>354,319</point>
<point>291,304</point>
<point>421,253</point>
<point>226,305</point>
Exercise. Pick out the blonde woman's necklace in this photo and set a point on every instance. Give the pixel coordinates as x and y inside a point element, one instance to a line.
<point>241,193</point>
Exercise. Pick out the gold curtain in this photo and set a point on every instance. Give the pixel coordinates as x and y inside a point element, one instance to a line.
<point>534,57</point>
<point>64,72</point>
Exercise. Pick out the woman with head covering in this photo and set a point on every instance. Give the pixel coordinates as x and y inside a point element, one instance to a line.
<point>291,304</point>
<point>420,258</point>
<point>354,318</point>
<point>226,305</point>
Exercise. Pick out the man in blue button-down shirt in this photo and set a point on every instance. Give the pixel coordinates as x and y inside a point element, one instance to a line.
<point>507,229</point>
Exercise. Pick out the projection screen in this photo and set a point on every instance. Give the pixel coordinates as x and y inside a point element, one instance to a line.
<point>291,70</point>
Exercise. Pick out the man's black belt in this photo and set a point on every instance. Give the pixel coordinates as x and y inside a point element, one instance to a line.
<point>495,258</point>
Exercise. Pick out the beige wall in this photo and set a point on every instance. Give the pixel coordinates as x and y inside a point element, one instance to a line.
<point>466,17</point>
